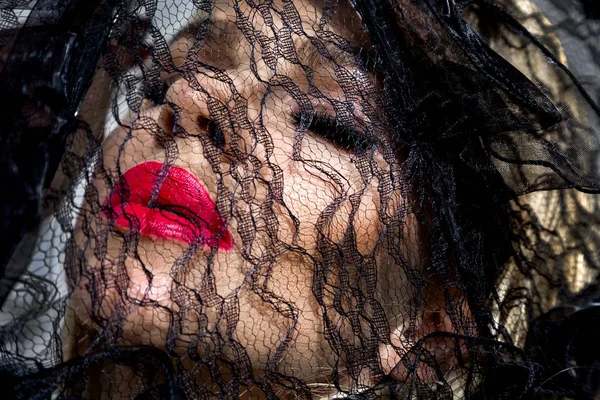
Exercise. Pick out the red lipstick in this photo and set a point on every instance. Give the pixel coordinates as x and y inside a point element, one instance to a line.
<point>171,205</point>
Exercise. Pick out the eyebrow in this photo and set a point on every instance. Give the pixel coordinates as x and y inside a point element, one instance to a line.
<point>349,55</point>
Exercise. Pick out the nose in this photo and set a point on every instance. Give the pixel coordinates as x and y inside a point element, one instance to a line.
<point>199,107</point>
<point>214,110</point>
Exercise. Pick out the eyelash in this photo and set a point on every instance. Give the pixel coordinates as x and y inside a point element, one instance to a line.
<point>328,127</point>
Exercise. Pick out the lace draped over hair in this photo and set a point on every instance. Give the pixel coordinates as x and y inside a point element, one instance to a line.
<point>363,199</point>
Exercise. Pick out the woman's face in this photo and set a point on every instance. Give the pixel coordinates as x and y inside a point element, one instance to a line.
<point>226,223</point>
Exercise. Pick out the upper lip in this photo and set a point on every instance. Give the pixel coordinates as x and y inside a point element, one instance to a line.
<point>167,202</point>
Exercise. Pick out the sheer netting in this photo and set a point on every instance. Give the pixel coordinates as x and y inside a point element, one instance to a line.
<point>297,199</point>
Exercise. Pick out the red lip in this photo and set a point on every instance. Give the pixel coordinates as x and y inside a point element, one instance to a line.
<point>180,208</point>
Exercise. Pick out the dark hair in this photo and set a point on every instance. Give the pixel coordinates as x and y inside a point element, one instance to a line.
<point>477,136</point>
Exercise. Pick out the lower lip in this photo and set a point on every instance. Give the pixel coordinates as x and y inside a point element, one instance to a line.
<point>182,209</point>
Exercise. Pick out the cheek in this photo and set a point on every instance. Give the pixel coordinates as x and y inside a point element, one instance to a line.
<point>334,208</point>
<point>316,199</point>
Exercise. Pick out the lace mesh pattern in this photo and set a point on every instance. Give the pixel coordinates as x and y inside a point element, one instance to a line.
<point>264,199</point>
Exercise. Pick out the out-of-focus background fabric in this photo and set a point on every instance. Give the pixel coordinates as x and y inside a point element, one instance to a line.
<point>577,24</point>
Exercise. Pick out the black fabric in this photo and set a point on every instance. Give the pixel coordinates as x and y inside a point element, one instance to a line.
<point>296,199</point>
<point>44,80</point>
<point>592,9</point>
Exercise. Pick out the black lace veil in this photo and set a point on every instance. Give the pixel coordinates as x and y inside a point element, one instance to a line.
<point>320,199</point>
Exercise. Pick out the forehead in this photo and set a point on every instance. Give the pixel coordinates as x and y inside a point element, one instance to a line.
<point>305,16</point>
<point>235,29</point>
<point>306,43</point>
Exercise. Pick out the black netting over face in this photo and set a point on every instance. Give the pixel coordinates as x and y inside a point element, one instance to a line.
<point>316,199</point>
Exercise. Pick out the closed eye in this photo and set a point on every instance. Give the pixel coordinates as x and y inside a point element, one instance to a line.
<point>339,132</point>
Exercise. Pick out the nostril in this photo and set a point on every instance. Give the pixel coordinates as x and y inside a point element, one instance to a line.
<point>212,129</point>
<point>166,120</point>
<point>203,123</point>
<point>216,133</point>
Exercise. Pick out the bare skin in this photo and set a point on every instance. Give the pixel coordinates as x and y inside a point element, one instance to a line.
<point>156,287</point>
